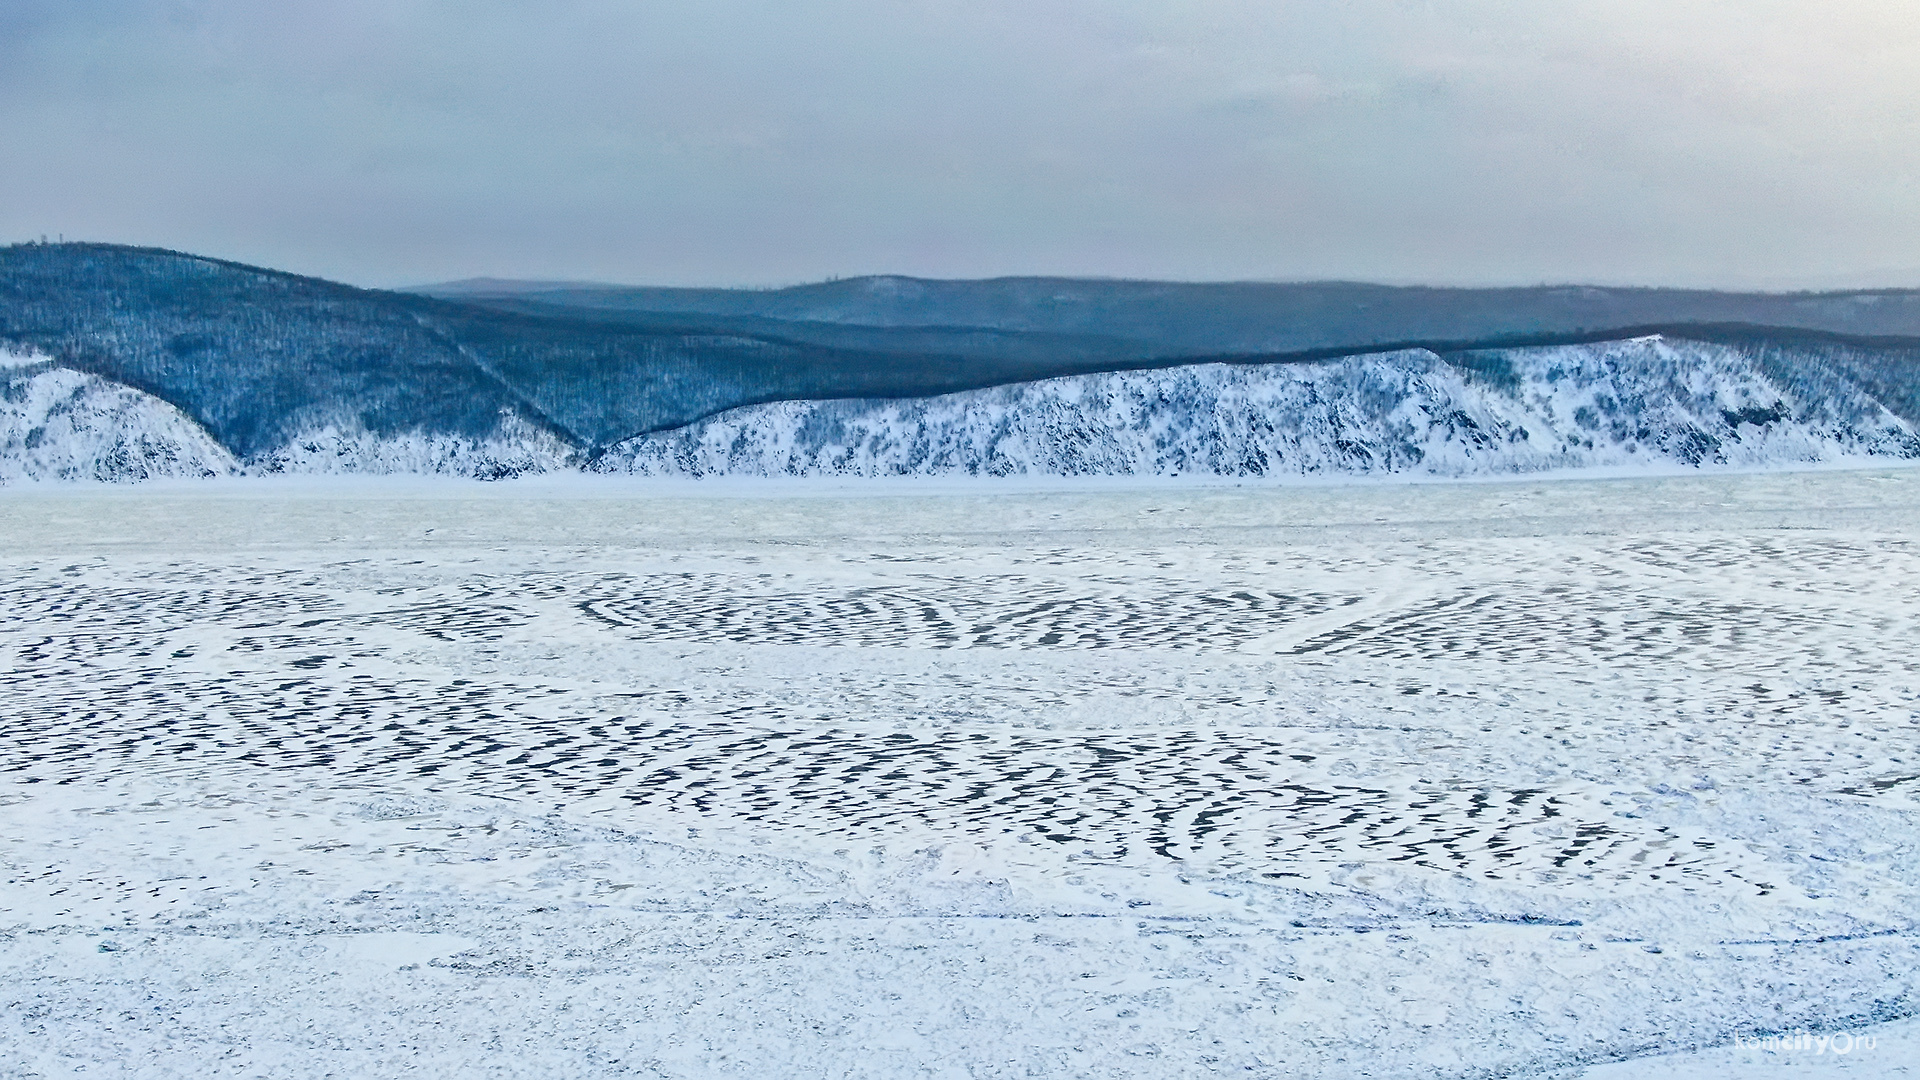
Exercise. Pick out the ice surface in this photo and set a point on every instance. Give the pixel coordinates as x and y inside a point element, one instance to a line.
<point>541,779</point>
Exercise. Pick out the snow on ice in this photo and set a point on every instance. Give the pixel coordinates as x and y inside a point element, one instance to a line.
<point>1613,778</point>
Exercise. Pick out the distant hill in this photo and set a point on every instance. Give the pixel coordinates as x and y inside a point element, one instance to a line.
<point>1235,318</point>
<point>495,377</point>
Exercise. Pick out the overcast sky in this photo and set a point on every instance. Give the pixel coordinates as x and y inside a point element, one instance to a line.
<point>1770,143</point>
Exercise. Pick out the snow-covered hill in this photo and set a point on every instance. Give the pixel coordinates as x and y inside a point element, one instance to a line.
<point>346,448</point>
<point>1645,401</point>
<point>60,424</point>
<point>57,424</point>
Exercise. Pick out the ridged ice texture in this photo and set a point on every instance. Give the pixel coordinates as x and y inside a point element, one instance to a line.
<point>58,424</point>
<point>1643,402</point>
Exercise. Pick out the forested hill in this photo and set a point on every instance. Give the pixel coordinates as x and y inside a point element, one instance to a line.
<point>1236,317</point>
<point>263,360</point>
<point>257,356</point>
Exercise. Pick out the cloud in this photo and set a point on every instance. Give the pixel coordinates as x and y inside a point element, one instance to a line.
<point>734,141</point>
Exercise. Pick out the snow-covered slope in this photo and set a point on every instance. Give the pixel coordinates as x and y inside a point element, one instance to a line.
<point>58,424</point>
<point>347,448</point>
<point>1646,401</point>
<point>61,424</point>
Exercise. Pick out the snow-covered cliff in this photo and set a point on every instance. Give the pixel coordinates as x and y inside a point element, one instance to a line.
<point>346,448</point>
<point>1644,401</point>
<point>57,424</point>
<point>60,424</point>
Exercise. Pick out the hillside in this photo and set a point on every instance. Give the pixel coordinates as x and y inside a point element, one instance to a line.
<point>259,357</point>
<point>1643,403</point>
<point>126,363</point>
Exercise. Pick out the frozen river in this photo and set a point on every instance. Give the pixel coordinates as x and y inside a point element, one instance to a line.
<point>571,778</point>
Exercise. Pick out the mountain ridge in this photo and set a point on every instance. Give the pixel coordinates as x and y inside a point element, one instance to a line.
<point>285,372</point>
<point>1243,316</point>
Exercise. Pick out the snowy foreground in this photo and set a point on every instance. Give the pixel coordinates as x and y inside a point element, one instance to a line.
<point>1582,778</point>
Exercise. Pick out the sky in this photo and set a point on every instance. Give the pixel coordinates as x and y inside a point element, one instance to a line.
<point>1728,143</point>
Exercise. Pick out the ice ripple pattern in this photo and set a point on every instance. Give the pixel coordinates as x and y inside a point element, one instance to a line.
<point>188,666</point>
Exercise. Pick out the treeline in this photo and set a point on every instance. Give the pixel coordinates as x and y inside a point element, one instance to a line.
<point>259,356</point>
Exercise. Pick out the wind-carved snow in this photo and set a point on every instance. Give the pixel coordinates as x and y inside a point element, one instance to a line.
<point>1430,781</point>
<point>345,447</point>
<point>59,424</point>
<point>1646,401</point>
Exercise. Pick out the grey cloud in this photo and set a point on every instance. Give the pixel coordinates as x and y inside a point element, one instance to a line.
<point>736,142</point>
